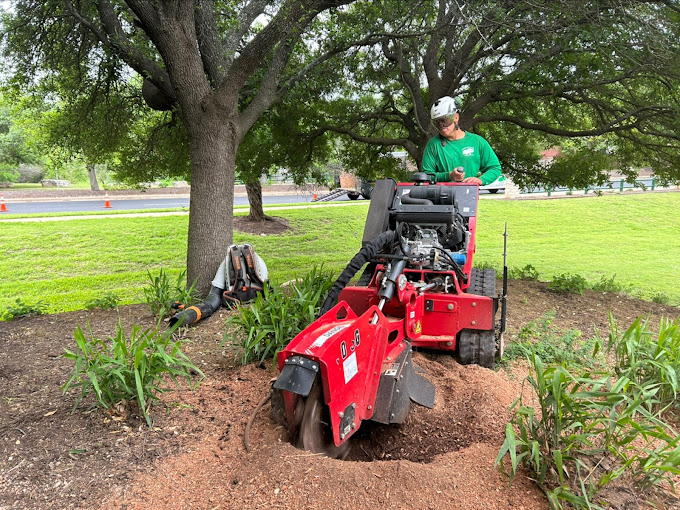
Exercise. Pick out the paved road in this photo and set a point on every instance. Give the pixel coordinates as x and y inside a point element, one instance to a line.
<point>70,205</point>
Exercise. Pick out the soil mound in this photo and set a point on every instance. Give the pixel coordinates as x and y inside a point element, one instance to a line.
<point>471,407</point>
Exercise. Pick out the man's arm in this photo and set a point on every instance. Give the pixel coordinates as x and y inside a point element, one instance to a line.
<point>490,167</point>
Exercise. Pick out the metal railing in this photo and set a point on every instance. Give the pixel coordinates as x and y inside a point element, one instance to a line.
<point>648,183</point>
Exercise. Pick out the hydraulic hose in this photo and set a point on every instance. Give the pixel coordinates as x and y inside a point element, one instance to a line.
<point>366,253</point>
<point>203,310</point>
<point>390,284</point>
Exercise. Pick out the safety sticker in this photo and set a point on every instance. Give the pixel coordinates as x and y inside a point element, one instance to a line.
<point>349,367</point>
<point>322,339</point>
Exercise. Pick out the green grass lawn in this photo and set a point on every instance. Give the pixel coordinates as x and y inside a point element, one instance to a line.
<point>68,263</point>
<point>635,237</point>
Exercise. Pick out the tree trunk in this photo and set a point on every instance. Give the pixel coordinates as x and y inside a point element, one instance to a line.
<point>94,185</point>
<point>254,190</point>
<point>212,143</point>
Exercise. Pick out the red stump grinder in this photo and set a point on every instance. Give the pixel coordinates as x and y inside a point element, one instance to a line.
<point>418,289</point>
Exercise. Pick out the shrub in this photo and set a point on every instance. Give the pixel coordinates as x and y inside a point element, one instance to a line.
<point>127,368</point>
<point>105,302</point>
<point>262,328</point>
<point>551,346</point>
<point>21,309</point>
<point>609,285</point>
<point>161,294</point>
<point>30,173</point>
<point>568,283</point>
<point>8,173</point>
<point>527,272</point>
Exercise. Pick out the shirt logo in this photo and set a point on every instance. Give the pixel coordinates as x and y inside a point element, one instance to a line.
<point>468,151</point>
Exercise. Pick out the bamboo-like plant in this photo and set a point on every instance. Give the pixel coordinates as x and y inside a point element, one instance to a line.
<point>161,294</point>
<point>585,421</point>
<point>649,358</point>
<point>263,327</point>
<point>127,367</point>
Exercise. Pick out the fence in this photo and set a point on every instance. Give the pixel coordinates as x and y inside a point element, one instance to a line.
<point>621,185</point>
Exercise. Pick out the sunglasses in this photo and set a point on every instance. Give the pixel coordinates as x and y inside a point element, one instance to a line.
<point>443,122</point>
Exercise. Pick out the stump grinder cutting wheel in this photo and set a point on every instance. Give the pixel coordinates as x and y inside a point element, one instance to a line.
<point>418,289</point>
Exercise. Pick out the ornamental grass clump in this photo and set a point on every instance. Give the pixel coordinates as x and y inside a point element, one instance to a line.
<point>129,368</point>
<point>587,428</point>
<point>265,326</point>
<point>162,295</point>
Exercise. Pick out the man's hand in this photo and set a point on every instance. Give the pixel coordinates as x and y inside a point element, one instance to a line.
<point>473,180</point>
<point>457,174</point>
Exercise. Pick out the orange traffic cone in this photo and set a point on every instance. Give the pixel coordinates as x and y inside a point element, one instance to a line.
<point>314,197</point>
<point>107,204</point>
<point>3,207</point>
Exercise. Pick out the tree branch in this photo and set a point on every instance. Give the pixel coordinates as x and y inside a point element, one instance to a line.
<point>209,44</point>
<point>614,126</point>
<point>386,142</point>
<point>267,93</point>
<point>115,38</point>
<point>292,17</point>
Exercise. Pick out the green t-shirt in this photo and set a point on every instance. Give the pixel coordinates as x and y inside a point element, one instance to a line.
<point>471,152</point>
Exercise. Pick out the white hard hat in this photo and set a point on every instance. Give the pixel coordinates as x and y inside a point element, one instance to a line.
<point>444,106</point>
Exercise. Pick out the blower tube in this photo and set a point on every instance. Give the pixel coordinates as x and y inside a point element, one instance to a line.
<point>202,310</point>
<point>365,254</point>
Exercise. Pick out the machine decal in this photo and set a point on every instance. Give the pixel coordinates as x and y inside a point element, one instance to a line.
<point>357,337</point>
<point>349,367</point>
<point>328,334</point>
<point>343,349</point>
<point>418,328</point>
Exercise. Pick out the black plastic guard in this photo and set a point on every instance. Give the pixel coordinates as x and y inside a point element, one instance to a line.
<point>399,384</point>
<point>297,376</point>
<point>420,389</point>
<point>378,217</point>
<point>392,402</point>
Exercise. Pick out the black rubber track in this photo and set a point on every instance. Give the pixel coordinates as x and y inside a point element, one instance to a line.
<point>477,347</point>
<point>482,282</point>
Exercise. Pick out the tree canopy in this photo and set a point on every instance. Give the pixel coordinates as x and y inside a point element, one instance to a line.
<point>600,78</point>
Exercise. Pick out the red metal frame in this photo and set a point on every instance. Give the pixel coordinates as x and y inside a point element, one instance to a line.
<point>355,342</point>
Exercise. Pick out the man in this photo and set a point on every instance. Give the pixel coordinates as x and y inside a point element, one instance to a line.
<point>457,155</point>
